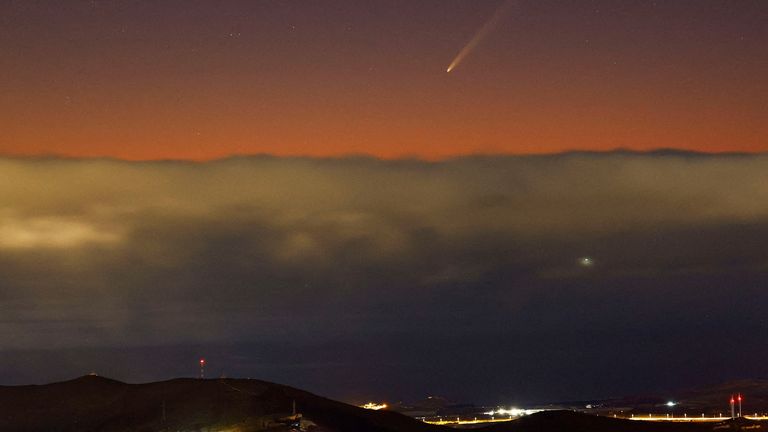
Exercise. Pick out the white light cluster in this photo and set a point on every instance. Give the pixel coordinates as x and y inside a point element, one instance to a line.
<point>374,406</point>
<point>514,412</point>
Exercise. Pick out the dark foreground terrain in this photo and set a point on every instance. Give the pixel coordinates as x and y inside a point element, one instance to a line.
<point>93,403</point>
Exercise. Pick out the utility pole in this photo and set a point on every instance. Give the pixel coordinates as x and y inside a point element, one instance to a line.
<point>739,404</point>
<point>733,414</point>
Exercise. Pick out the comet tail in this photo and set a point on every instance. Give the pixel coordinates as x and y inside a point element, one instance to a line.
<point>482,33</point>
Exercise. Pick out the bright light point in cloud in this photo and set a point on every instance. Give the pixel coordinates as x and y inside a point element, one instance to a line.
<point>586,261</point>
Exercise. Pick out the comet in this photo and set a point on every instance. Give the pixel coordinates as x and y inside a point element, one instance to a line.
<point>486,29</point>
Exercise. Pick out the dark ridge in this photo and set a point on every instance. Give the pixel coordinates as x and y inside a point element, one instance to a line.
<point>367,158</point>
<point>93,403</point>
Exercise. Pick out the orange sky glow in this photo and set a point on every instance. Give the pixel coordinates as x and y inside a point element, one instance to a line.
<point>107,80</point>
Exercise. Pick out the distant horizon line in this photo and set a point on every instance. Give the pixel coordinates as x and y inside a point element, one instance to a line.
<point>660,151</point>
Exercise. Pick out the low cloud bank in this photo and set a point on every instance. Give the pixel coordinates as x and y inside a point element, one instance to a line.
<point>108,253</point>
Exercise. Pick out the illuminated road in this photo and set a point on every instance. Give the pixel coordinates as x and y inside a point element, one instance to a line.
<point>705,419</point>
<point>494,416</point>
<point>459,421</point>
<point>692,418</point>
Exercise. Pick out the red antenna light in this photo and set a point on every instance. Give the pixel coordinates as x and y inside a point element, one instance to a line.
<point>739,397</point>
<point>202,361</point>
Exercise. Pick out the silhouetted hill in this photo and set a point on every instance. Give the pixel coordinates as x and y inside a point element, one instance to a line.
<point>755,392</point>
<point>712,400</point>
<point>92,403</point>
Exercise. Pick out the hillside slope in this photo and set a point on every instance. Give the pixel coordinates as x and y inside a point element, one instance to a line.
<point>96,404</point>
<point>93,403</point>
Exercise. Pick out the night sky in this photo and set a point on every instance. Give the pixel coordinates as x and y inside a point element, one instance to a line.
<point>299,191</point>
<point>202,79</point>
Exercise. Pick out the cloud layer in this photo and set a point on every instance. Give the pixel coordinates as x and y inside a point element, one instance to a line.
<point>482,251</point>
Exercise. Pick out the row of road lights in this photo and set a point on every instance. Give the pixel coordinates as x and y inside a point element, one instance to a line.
<point>734,398</point>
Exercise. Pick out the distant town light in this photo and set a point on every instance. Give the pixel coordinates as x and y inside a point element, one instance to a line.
<point>512,412</point>
<point>374,406</point>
